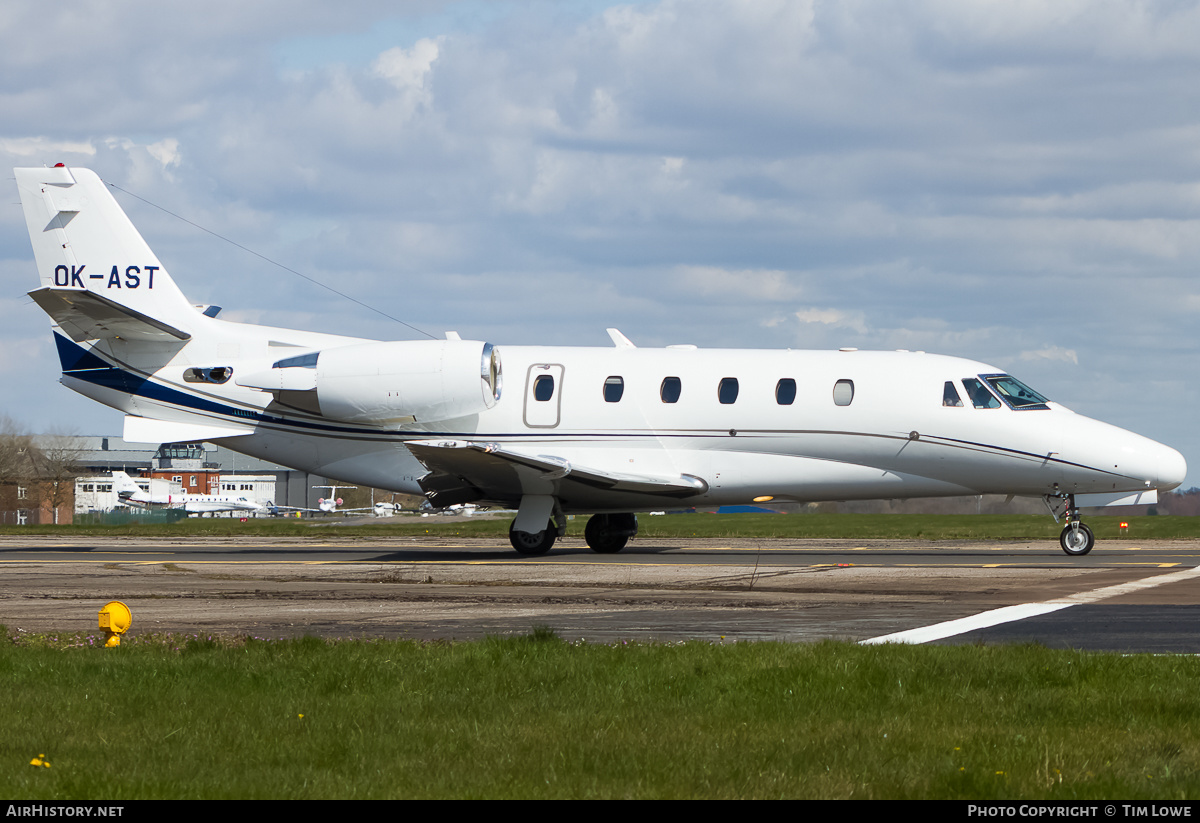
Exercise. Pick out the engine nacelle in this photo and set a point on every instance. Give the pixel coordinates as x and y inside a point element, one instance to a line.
<point>388,383</point>
<point>406,381</point>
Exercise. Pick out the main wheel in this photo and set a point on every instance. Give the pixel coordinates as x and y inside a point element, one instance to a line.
<point>1077,542</point>
<point>609,533</point>
<point>532,543</point>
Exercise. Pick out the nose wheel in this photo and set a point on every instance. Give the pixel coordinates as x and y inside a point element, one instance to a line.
<point>1076,539</point>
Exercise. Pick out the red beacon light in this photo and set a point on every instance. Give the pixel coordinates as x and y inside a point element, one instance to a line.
<point>1124,527</point>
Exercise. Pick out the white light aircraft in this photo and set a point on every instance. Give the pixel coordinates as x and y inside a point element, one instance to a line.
<point>131,494</point>
<point>559,430</point>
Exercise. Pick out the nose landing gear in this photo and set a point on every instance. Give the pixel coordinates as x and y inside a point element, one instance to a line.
<point>1076,539</point>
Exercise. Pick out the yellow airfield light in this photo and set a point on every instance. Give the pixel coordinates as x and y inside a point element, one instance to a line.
<point>115,619</point>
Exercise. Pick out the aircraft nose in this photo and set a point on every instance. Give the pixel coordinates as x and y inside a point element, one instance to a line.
<point>1172,468</point>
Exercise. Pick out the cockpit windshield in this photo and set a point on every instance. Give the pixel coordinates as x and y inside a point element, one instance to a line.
<point>1015,393</point>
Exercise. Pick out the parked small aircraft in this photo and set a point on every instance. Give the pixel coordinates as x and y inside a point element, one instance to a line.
<point>602,431</point>
<point>131,494</point>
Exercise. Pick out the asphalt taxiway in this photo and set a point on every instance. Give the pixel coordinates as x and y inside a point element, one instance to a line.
<point>1124,596</point>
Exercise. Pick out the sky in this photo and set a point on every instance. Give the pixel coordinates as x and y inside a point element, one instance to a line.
<point>1013,182</point>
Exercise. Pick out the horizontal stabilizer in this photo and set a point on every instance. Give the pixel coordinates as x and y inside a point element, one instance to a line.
<point>148,430</point>
<point>462,465</point>
<point>85,315</point>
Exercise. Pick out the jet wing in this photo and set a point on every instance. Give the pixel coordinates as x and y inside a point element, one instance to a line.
<point>463,471</point>
<point>85,315</point>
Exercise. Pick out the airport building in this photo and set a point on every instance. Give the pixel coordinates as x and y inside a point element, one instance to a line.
<point>187,468</point>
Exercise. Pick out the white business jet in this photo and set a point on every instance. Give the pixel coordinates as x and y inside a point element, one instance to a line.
<point>601,431</point>
<point>131,494</point>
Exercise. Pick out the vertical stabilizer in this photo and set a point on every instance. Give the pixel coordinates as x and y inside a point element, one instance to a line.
<point>92,262</point>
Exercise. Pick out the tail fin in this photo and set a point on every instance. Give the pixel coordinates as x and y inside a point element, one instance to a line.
<point>124,485</point>
<point>99,278</point>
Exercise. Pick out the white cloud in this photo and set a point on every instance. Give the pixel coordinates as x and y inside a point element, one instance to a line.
<point>1052,353</point>
<point>408,69</point>
<point>835,318</point>
<point>746,284</point>
<point>40,147</point>
<point>165,152</point>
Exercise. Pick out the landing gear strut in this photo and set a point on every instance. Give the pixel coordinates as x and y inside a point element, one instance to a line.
<point>608,533</point>
<point>1076,539</point>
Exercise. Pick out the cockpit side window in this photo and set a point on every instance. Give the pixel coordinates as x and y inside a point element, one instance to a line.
<point>981,398</point>
<point>1015,393</point>
<point>950,395</point>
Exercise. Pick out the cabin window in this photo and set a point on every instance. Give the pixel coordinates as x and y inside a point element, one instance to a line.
<point>215,374</point>
<point>785,391</point>
<point>1015,393</point>
<point>543,387</point>
<point>670,389</point>
<point>950,395</point>
<point>981,398</point>
<point>614,387</point>
<point>727,392</point>
<point>843,392</point>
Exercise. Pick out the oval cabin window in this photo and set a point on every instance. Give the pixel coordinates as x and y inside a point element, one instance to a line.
<point>843,392</point>
<point>670,389</point>
<point>543,387</point>
<point>614,387</point>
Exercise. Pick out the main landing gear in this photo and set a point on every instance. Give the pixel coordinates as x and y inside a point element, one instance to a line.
<point>604,533</point>
<point>1076,539</point>
<point>533,543</point>
<point>608,533</point>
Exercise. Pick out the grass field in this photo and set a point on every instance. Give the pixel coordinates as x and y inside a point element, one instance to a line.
<point>855,526</point>
<point>535,717</point>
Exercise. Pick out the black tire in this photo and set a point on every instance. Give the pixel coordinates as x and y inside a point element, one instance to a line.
<point>532,543</point>
<point>1077,543</point>
<point>609,533</point>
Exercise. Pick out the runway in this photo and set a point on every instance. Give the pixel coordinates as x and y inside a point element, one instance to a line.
<point>1123,596</point>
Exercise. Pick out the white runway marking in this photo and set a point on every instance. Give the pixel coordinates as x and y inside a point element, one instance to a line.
<point>1008,614</point>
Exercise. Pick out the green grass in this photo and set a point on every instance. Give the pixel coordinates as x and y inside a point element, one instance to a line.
<point>852,526</point>
<point>168,716</point>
